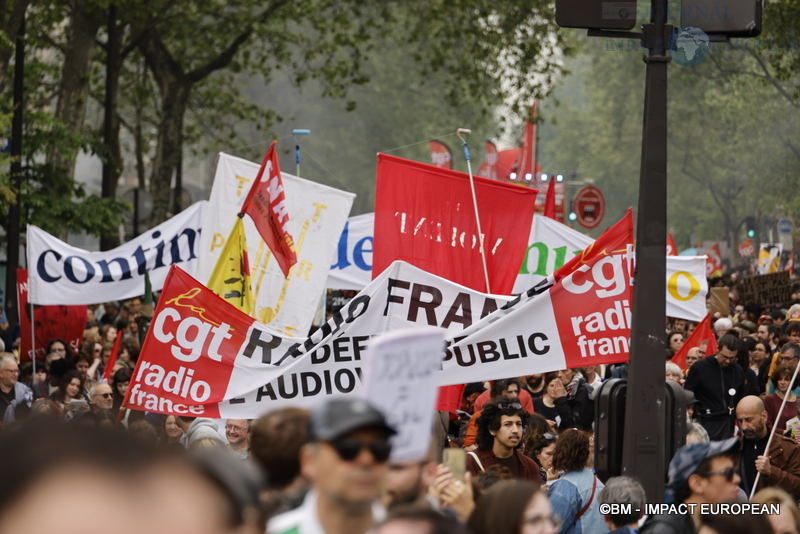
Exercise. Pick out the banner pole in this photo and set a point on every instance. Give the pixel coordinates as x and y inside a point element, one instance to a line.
<point>774,427</point>
<point>33,338</point>
<point>475,205</point>
<point>297,147</point>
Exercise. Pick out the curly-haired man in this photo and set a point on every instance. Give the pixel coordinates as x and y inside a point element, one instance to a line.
<point>501,427</point>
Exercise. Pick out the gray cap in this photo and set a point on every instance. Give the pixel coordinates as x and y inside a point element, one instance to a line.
<point>689,458</point>
<point>338,417</point>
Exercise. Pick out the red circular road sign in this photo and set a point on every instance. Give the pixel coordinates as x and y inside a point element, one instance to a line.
<point>590,206</point>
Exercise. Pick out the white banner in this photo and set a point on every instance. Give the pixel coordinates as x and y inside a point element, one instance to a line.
<point>62,274</point>
<point>317,214</point>
<point>552,244</point>
<point>330,362</point>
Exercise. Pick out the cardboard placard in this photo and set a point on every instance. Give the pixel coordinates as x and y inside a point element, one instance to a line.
<point>719,301</point>
<point>767,289</point>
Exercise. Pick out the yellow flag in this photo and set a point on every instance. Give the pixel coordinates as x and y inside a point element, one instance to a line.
<point>231,276</point>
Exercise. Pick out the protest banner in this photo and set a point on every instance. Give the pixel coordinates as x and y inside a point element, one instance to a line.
<point>550,245</point>
<point>767,289</point>
<point>63,274</point>
<point>701,334</point>
<point>424,215</point>
<point>769,257</point>
<point>225,364</point>
<point>317,214</point>
<point>50,322</point>
<point>400,371</point>
<point>579,316</point>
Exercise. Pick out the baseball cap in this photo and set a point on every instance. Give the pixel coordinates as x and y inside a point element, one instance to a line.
<point>338,417</point>
<point>689,458</point>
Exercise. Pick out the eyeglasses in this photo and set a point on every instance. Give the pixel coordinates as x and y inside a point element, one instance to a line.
<point>512,405</point>
<point>538,521</point>
<point>237,429</point>
<point>104,395</point>
<point>348,449</point>
<point>786,358</point>
<point>12,371</point>
<point>727,473</point>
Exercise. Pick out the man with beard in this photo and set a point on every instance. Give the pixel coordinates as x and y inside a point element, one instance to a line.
<point>501,426</point>
<point>781,467</point>
<point>533,384</point>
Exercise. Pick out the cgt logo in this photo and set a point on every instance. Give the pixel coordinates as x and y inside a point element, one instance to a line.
<point>607,277</point>
<point>189,335</point>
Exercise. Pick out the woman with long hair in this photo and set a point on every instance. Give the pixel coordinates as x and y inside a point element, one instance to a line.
<point>69,388</point>
<point>574,495</point>
<point>553,404</point>
<point>781,379</point>
<point>513,507</point>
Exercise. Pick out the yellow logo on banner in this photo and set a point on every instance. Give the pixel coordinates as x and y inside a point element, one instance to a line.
<point>231,276</point>
<point>672,286</point>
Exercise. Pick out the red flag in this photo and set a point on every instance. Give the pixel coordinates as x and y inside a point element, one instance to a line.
<point>424,215</point>
<point>527,158</point>
<point>550,199</point>
<point>266,205</point>
<point>672,250</point>
<point>51,322</point>
<point>747,249</point>
<point>789,263</point>
<point>441,155</point>
<point>488,168</point>
<point>701,333</point>
<point>714,261</point>
<point>112,359</point>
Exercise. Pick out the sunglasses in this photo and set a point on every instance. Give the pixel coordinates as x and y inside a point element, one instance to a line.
<point>727,473</point>
<point>512,405</point>
<point>348,449</point>
<point>104,395</point>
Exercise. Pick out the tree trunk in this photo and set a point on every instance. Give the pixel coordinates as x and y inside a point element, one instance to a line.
<point>73,90</point>
<point>168,148</point>
<point>10,23</point>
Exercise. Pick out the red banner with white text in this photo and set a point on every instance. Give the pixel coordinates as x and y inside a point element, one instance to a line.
<point>50,322</point>
<point>425,216</point>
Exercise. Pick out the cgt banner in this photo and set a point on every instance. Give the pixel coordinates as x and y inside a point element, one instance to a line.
<point>550,246</point>
<point>580,316</point>
<point>317,214</point>
<point>202,356</point>
<point>62,274</point>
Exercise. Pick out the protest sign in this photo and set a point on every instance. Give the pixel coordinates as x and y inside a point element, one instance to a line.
<point>769,257</point>
<point>767,289</point>
<point>580,316</point>
<point>63,274</point>
<point>400,371</point>
<point>425,215</point>
<point>317,214</point>
<point>49,323</point>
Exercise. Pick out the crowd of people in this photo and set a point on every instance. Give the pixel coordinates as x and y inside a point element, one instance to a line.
<point>520,459</point>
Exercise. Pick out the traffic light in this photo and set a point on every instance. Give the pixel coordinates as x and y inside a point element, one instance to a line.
<point>750,226</point>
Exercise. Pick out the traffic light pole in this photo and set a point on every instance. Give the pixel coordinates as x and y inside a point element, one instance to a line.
<point>644,447</point>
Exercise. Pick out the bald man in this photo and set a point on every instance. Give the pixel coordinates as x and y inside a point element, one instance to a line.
<point>781,467</point>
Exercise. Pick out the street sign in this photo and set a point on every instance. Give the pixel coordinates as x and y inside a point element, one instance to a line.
<point>785,226</point>
<point>596,14</point>
<point>590,206</point>
<point>723,17</point>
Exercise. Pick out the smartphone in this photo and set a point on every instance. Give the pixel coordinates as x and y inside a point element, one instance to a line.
<point>456,461</point>
<point>79,402</point>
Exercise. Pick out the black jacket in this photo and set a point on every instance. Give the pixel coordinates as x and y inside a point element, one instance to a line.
<point>712,385</point>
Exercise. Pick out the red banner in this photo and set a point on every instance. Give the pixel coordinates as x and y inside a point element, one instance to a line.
<point>550,199</point>
<point>672,250</point>
<point>50,322</point>
<point>488,168</point>
<point>424,215</point>
<point>441,155</point>
<point>702,332</point>
<point>266,205</point>
<point>747,249</point>
<point>195,351</point>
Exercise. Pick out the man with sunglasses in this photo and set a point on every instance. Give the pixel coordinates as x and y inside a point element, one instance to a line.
<point>700,473</point>
<point>346,462</point>
<point>501,427</point>
<point>781,467</point>
<point>102,397</point>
